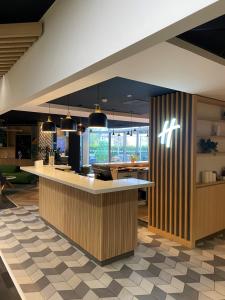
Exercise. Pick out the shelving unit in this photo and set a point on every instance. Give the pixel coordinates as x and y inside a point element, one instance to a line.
<point>209,201</point>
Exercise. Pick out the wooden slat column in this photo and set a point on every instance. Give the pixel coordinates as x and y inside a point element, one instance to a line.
<point>171,169</point>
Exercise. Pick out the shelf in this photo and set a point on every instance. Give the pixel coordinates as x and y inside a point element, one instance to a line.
<point>202,185</point>
<point>211,136</point>
<point>212,121</point>
<point>211,154</point>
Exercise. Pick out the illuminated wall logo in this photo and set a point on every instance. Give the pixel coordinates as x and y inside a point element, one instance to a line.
<point>167,131</point>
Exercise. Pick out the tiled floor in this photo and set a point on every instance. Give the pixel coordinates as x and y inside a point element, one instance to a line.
<point>46,266</point>
<point>7,288</point>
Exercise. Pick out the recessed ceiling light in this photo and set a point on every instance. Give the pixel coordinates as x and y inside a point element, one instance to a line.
<point>104,100</point>
<point>129,95</point>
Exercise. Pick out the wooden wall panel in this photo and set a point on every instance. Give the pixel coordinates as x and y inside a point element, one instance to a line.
<point>171,168</point>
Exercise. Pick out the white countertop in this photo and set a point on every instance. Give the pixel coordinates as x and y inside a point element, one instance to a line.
<point>90,185</point>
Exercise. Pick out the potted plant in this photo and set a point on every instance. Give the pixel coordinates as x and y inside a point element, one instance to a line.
<point>133,158</point>
<point>208,146</point>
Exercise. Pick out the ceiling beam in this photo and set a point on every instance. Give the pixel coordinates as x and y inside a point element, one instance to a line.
<point>18,30</point>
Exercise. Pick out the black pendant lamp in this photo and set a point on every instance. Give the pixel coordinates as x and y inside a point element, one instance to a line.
<point>80,128</point>
<point>97,119</point>
<point>67,123</point>
<point>48,126</point>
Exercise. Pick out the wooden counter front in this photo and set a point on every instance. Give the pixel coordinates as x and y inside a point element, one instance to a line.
<point>104,225</point>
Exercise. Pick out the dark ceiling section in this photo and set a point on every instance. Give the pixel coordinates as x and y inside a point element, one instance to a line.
<point>209,36</point>
<point>123,95</point>
<point>23,11</point>
<point>30,118</point>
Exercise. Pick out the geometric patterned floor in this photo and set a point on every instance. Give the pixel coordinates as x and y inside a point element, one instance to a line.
<point>44,265</point>
<point>7,288</point>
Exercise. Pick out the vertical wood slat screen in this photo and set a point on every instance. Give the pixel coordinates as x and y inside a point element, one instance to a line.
<point>171,168</point>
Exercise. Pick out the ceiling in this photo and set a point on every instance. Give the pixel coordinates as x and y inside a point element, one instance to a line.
<point>19,28</point>
<point>15,117</point>
<point>209,36</point>
<point>123,95</point>
<point>22,11</point>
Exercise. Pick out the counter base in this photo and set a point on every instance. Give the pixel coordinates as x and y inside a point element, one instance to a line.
<point>103,225</point>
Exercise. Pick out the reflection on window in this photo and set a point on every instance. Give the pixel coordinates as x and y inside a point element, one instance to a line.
<point>118,145</point>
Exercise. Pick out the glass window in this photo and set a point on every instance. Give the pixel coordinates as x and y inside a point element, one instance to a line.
<point>98,147</point>
<point>131,146</point>
<point>104,146</point>
<point>143,146</point>
<point>117,147</point>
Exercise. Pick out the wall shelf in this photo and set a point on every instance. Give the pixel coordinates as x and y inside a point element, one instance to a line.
<point>211,154</point>
<point>202,185</point>
<point>212,121</point>
<point>211,136</point>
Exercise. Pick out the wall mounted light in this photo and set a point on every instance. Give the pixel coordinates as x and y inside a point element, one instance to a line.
<point>166,134</point>
<point>48,126</point>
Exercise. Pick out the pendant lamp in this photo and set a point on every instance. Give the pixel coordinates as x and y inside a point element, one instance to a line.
<point>67,123</point>
<point>97,119</point>
<point>113,132</point>
<point>80,128</point>
<point>48,126</point>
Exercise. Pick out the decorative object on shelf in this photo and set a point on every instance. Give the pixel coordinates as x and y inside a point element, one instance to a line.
<point>208,146</point>
<point>133,158</point>
<point>208,176</point>
<point>217,129</point>
<point>97,119</point>
<point>48,126</point>
<point>67,123</point>
<point>80,128</point>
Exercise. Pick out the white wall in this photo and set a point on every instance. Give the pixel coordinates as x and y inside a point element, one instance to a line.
<point>79,34</point>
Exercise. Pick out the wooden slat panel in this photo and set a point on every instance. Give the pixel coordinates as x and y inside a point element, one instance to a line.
<point>13,50</point>
<point>16,41</point>
<point>172,167</point>
<point>105,225</point>
<point>7,45</point>
<point>18,30</point>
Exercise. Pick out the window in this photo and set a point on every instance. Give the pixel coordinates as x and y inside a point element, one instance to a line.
<point>143,143</point>
<point>98,147</point>
<point>131,145</point>
<point>118,145</point>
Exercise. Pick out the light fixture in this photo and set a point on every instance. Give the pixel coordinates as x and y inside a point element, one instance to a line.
<point>131,122</point>
<point>48,126</point>
<point>67,123</point>
<point>97,119</point>
<point>113,132</point>
<point>80,128</point>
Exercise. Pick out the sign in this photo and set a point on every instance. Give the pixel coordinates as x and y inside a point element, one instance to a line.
<point>167,131</point>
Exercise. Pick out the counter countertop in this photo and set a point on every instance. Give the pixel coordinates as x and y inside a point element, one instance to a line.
<point>90,185</point>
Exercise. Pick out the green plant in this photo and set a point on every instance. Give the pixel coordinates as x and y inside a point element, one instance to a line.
<point>133,157</point>
<point>208,146</point>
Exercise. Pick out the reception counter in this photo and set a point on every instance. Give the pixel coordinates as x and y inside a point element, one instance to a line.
<point>99,216</point>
